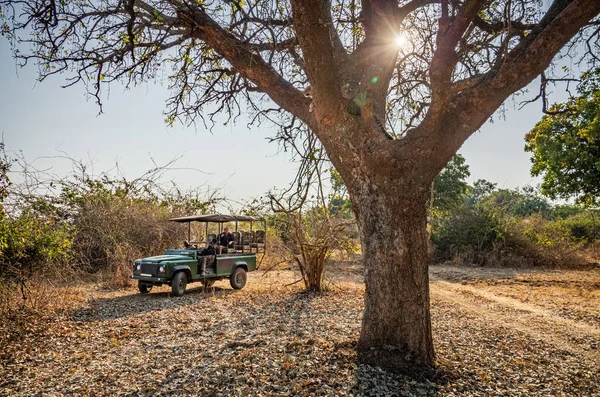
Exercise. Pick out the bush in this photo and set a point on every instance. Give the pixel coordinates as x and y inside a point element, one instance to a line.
<point>583,226</point>
<point>115,222</point>
<point>540,242</point>
<point>30,242</point>
<point>110,233</point>
<point>472,234</point>
<point>484,235</point>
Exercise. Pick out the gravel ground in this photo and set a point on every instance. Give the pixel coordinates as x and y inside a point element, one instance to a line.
<point>494,336</point>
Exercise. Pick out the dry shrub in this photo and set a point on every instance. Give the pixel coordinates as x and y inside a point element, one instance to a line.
<point>276,255</point>
<point>27,306</point>
<point>310,237</point>
<point>111,233</point>
<point>540,242</point>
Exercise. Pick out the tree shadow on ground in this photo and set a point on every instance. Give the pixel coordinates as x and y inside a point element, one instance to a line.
<point>377,373</point>
<point>101,309</point>
<point>285,349</point>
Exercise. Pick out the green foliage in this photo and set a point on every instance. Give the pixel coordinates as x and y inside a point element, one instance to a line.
<point>5,164</point>
<point>584,227</point>
<point>565,146</point>
<point>538,241</point>
<point>480,189</point>
<point>519,202</point>
<point>471,233</point>
<point>29,242</point>
<point>339,202</point>
<point>563,211</point>
<point>450,185</point>
<point>513,227</point>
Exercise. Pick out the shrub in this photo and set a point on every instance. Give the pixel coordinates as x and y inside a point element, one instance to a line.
<point>471,233</point>
<point>540,242</point>
<point>584,226</point>
<point>30,242</point>
<point>486,236</point>
<point>110,233</point>
<point>116,222</point>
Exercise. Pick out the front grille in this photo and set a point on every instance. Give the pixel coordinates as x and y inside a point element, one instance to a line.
<point>149,268</point>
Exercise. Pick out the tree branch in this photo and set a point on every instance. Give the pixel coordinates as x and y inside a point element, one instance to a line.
<point>471,107</point>
<point>323,52</point>
<point>248,63</point>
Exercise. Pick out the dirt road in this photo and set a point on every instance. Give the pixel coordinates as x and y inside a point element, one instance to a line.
<point>497,332</point>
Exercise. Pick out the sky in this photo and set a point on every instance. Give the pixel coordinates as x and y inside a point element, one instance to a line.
<point>45,121</point>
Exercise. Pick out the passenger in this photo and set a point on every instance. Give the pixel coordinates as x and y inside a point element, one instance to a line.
<point>206,257</point>
<point>226,240</point>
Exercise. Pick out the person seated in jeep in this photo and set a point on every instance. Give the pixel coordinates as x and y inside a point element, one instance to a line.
<point>226,240</point>
<point>206,257</point>
<point>189,246</point>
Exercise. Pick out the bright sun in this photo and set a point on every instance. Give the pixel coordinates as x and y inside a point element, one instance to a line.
<point>400,40</point>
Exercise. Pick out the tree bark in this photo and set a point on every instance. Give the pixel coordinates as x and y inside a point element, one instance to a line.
<point>396,326</point>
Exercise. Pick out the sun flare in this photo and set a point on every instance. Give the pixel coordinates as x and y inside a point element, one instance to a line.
<point>401,40</point>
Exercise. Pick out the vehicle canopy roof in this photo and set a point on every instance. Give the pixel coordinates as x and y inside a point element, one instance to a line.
<point>218,218</point>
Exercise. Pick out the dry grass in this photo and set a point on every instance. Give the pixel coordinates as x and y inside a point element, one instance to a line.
<point>498,331</point>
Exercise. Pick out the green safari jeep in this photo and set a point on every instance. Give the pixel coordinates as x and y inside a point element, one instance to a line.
<point>179,267</point>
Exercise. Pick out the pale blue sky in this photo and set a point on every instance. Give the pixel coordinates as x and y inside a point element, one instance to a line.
<point>42,119</point>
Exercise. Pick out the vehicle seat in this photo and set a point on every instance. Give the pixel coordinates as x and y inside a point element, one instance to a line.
<point>237,241</point>
<point>210,237</point>
<point>246,240</point>
<point>256,236</point>
<point>260,238</point>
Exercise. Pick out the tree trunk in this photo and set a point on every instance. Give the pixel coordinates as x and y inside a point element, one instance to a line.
<point>396,327</point>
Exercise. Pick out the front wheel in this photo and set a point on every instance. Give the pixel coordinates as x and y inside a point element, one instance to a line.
<point>238,278</point>
<point>179,283</point>
<point>143,287</point>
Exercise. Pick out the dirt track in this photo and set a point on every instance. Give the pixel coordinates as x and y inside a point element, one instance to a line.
<point>501,299</point>
<point>498,331</point>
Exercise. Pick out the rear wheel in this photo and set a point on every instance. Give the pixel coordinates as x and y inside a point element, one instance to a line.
<point>179,283</point>
<point>238,278</point>
<point>143,287</point>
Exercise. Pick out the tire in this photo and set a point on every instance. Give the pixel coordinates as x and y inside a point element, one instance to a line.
<point>238,278</point>
<point>144,288</point>
<point>179,283</point>
<point>208,282</point>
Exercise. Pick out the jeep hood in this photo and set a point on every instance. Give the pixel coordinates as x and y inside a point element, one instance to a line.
<point>167,258</point>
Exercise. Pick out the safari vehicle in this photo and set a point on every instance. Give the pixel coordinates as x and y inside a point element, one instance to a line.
<point>179,267</point>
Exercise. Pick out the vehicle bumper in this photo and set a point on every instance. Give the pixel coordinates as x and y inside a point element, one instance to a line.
<point>149,279</point>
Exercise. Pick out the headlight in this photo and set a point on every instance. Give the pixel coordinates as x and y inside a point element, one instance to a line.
<point>138,267</point>
<point>161,269</point>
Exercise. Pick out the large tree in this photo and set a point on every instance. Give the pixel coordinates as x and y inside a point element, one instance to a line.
<point>439,68</point>
<point>565,145</point>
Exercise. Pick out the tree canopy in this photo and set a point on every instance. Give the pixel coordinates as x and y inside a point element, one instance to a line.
<point>565,145</point>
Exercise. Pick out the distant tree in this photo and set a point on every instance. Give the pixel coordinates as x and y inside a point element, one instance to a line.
<point>520,202</point>
<point>565,145</point>
<point>450,186</point>
<point>338,200</point>
<point>392,89</point>
<point>480,189</point>
<point>564,211</point>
